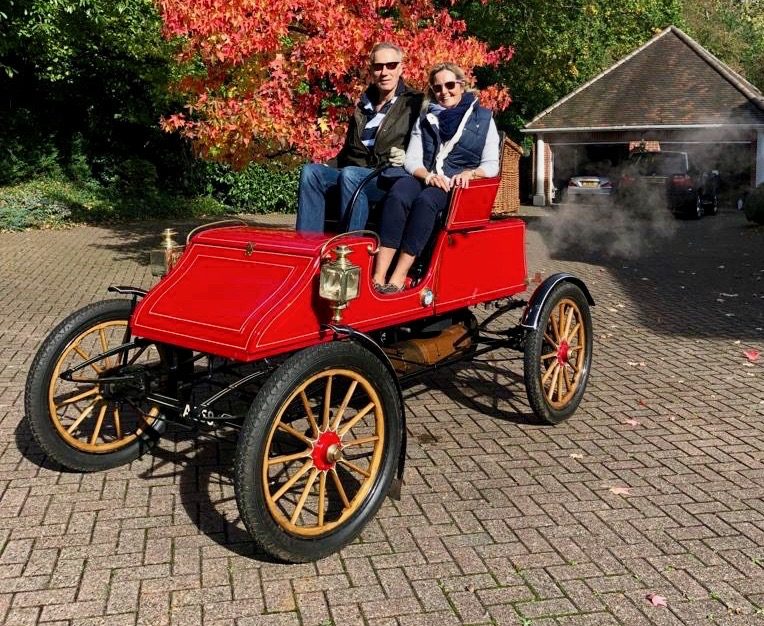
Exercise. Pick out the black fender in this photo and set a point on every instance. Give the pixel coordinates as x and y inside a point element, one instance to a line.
<point>373,347</point>
<point>530,318</point>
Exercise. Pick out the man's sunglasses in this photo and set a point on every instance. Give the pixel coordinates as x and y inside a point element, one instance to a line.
<point>450,85</point>
<point>390,65</point>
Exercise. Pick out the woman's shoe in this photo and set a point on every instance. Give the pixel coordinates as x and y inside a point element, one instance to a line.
<point>377,286</point>
<point>389,288</point>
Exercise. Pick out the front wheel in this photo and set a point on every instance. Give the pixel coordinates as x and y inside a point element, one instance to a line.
<point>96,415</point>
<point>558,354</point>
<point>318,450</point>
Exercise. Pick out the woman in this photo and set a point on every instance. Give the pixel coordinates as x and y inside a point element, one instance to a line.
<point>453,142</point>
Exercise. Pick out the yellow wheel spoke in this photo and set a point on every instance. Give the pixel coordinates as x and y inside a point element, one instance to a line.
<point>555,331</point>
<point>549,372</point>
<point>295,433</point>
<point>327,403</point>
<point>548,355</point>
<point>355,419</point>
<point>573,332</point>
<point>78,397</point>
<point>85,356</point>
<point>288,484</point>
<point>568,322</point>
<point>344,405</point>
<point>321,498</point>
<point>99,422</point>
<point>88,410</point>
<point>102,339</point>
<point>286,458</point>
<point>360,442</point>
<point>340,488</point>
<point>309,413</point>
<point>553,386</point>
<point>560,380</point>
<point>354,467</point>
<point>117,424</point>
<point>551,341</point>
<point>304,496</point>
<point>573,366</point>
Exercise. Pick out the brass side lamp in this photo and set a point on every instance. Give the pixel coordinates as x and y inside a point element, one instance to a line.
<point>339,281</point>
<point>162,260</point>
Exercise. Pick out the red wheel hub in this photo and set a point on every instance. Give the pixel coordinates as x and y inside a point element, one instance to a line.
<point>562,353</point>
<point>326,450</point>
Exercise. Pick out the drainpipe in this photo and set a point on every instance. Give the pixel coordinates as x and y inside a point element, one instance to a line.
<point>759,175</point>
<point>539,197</point>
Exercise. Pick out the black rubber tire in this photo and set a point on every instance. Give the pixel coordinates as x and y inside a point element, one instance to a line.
<point>537,345</point>
<point>258,434</point>
<point>698,210</point>
<point>714,206</point>
<point>39,393</point>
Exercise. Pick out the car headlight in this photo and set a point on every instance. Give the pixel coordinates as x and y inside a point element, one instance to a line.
<point>163,260</point>
<point>339,281</point>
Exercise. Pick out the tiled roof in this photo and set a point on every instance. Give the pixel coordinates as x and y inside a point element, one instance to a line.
<point>670,81</point>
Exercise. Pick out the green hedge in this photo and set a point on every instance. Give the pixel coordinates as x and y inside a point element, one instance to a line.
<point>255,189</point>
<point>134,190</point>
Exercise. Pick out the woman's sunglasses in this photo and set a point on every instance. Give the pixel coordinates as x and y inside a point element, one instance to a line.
<point>450,86</point>
<point>390,65</point>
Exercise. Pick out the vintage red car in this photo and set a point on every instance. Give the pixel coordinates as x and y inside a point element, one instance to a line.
<point>288,326</point>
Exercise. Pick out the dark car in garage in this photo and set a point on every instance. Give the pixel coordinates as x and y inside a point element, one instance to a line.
<point>687,191</point>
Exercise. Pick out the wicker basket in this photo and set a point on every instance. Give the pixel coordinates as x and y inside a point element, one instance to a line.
<point>508,196</point>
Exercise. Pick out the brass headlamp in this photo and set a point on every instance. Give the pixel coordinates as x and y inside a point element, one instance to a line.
<point>162,260</point>
<point>339,280</point>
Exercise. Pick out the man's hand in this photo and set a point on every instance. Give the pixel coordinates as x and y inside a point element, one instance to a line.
<point>397,156</point>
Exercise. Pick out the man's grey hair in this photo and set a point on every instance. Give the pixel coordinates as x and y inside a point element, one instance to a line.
<point>384,45</point>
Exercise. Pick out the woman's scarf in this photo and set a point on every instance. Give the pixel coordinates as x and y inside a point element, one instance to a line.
<point>449,119</point>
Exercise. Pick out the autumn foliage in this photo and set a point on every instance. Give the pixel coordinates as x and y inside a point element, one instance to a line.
<point>266,77</point>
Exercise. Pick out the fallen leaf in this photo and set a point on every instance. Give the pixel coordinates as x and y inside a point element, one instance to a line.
<point>752,355</point>
<point>656,600</point>
<point>612,310</point>
<point>737,343</point>
<point>621,491</point>
<point>728,295</point>
<point>537,278</point>
<point>642,403</point>
<point>575,455</point>
<point>632,422</point>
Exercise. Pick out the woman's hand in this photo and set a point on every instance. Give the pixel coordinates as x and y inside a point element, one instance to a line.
<point>463,178</point>
<point>436,180</point>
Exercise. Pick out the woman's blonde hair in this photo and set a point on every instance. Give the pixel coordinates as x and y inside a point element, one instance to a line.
<point>455,70</point>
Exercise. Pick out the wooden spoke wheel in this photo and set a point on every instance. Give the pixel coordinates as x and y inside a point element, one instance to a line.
<point>558,354</point>
<point>318,451</point>
<point>96,417</point>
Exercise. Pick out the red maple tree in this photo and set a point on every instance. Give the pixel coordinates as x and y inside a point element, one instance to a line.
<point>265,77</point>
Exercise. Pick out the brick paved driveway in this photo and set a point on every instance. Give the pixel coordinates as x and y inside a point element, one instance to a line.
<point>502,521</point>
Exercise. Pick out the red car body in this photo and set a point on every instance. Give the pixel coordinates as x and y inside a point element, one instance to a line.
<point>247,293</point>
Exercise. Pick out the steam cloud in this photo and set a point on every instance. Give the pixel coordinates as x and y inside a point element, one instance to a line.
<point>622,228</point>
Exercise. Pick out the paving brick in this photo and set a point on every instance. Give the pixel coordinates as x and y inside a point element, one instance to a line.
<point>497,516</point>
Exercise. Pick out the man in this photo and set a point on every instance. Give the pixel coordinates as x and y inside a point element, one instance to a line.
<point>377,135</point>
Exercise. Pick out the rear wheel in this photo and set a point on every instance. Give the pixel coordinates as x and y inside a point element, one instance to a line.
<point>558,354</point>
<point>318,451</point>
<point>698,211</point>
<point>87,422</point>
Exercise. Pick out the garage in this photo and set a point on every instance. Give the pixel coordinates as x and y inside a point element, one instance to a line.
<point>669,94</point>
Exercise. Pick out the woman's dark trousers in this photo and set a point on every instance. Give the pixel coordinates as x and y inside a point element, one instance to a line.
<point>409,215</point>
